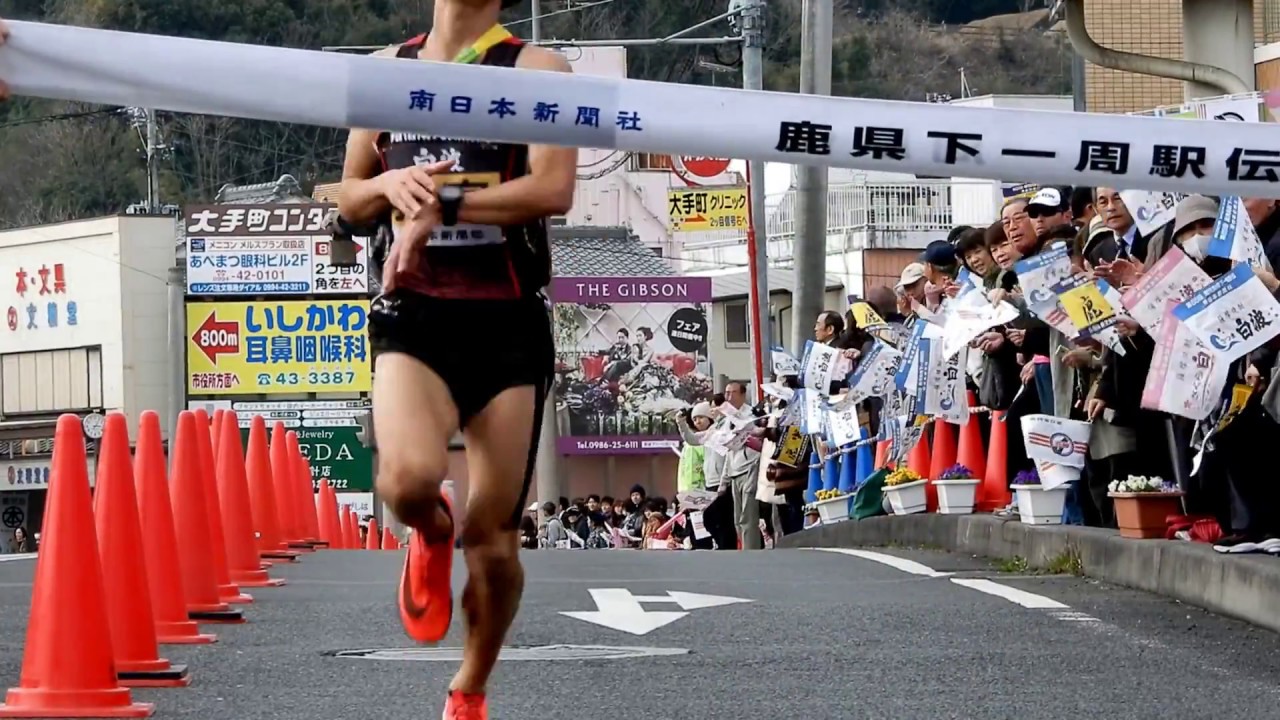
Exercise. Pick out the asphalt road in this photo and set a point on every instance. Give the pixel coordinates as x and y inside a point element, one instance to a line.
<point>826,635</point>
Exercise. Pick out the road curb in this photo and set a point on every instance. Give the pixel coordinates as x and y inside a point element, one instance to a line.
<point>1241,586</point>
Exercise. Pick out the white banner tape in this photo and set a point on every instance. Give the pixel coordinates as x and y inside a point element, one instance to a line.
<point>472,101</point>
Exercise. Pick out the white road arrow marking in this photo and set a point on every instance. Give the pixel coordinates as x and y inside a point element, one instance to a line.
<point>691,601</point>
<point>618,609</point>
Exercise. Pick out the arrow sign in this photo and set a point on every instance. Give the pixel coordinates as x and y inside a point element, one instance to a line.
<point>618,609</point>
<point>215,338</point>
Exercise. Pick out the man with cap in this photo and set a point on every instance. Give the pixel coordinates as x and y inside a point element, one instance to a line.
<point>940,263</point>
<point>910,287</point>
<point>1050,208</point>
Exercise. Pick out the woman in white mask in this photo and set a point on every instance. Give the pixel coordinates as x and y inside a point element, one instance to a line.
<point>1193,228</point>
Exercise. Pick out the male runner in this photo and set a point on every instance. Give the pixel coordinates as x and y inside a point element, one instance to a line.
<point>470,252</point>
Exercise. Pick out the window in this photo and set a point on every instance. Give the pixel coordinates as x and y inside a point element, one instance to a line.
<point>737,328</point>
<point>650,161</point>
<point>51,381</point>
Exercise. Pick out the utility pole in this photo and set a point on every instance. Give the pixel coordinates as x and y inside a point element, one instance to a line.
<point>811,184</point>
<point>753,24</point>
<point>547,463</point>
<point>176,282</point>
<point>153,163</point>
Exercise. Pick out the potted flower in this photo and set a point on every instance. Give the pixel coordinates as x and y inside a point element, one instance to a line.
<point>1143,504</point>
<point>906,492</point>
<point>1037,505</point>
<point>957,489</point>
<point>833,506</point>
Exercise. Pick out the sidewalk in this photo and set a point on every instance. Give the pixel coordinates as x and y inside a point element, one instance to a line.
<point>1241,586</point>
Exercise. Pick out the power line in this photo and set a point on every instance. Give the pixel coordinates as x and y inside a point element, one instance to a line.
<point>59,117</point>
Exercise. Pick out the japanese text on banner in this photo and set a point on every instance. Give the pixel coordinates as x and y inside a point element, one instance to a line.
<point>278,347</point>
<point>1234,316</point>
<point>1174,277</point>
<point>1185,377</point>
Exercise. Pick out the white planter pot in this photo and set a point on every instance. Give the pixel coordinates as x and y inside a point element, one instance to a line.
<point>1037,506</point>
<point>955,497</point>
<point>835,510</point>
<point>907,499</point>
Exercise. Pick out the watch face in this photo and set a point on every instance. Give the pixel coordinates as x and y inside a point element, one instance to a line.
<point>451,193</point>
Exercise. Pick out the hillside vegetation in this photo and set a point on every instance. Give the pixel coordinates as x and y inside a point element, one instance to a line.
<point>63,161</point>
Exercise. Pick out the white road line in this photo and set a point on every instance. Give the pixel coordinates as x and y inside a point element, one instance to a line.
<point>893,561</point>
<point>1013,595</point>
<point>23,556</point>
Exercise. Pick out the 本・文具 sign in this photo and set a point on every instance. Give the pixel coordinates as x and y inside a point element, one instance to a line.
<point>278,347</point>
<point>707,208</point>
<point>267,250</point>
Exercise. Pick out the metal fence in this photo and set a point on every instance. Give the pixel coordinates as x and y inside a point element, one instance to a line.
<point>921,206</point>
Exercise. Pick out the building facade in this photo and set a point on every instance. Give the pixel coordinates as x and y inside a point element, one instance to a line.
<point>86,313</point>
<point>1149,27</point>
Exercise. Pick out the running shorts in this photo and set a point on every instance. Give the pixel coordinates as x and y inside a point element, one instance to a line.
<point>479,348</point>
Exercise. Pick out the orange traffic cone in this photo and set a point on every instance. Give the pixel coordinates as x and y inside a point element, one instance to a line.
<point>307,491</point>
<point>160,548</point>
<point>233,493</point>
<point>285,474</point>
<point>215,432</point>
<point>971,453</point>
<point>373,541</point>
<point>192,526</point>
<point>133,625</point>
<point>227,590</point>
<point>882,454</point>
<point>330,528</point>
<point>918,458</point>
<point>67,665</point>
<point>262,495</point>
<point>389,540</point>
<point>351,531</point>
<point>943,457</point>
<point>994,493</point>
<point>918,462</point>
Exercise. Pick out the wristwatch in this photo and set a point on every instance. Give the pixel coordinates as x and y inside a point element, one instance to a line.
<point>450,197</point>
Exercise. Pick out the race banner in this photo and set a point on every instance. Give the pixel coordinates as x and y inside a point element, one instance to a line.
<point>1038,276</point>
<point>1085,305</point>
<point>502,105</point>
<point>815,413</point>
<point>1185,377</point>
<point>819,366</point>
<point>865,315</point>
<point>1056,440</point>
<point>784,365</point>
<point>875,372</point>
<point>1174,277</point>
<point>970,315</point>
<point>1234,236</point>
<point>905,378</point>
<point>842,425</point>
<point>950,400</point>
<point>629,351</point>
<point>1234,315</point>
<point>1151,210</point>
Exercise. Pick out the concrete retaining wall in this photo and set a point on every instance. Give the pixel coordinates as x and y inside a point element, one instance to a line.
<point>1241,586</point>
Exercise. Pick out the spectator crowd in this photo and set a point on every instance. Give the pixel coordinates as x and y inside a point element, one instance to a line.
<point>1082,313</point>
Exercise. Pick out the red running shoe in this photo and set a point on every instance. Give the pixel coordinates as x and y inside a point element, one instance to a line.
<point>460,706</point>
<point>426,587</point>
